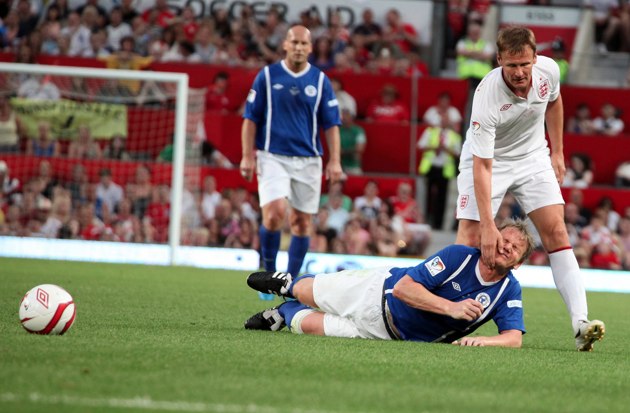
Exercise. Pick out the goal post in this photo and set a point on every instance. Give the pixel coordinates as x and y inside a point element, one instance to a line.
<point>175,100</point>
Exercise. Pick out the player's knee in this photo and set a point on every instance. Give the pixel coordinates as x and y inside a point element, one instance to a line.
<point>313,323</point>
<point>300,224</point>
<point>273,217</point>
<point>303,291</point>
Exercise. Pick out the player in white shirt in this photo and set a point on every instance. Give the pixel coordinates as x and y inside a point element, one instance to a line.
<point>506,150</point>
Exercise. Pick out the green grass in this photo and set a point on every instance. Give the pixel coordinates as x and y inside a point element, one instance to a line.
<point>174,337</point>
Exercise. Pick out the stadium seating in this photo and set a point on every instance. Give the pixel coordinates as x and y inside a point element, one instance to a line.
<point>24,167</point>
<point>389,146</point>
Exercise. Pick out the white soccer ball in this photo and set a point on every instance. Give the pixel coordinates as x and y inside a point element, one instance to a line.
<point>47,309</point>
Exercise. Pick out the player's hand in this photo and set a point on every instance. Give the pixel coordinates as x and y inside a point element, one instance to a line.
<point>559,168</point>
<point>248,164</point>
<point>467,309</point>
<point>334,173</point>
<point>491,242</point>
<point>470,342</point>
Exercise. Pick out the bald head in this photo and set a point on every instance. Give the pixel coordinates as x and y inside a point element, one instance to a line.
<point>298,47</point>
<point>298,31</point>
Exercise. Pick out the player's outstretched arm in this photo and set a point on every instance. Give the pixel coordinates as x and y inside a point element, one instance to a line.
<point>491,238</point>
<point>417,296</point>
<point>507,338</point>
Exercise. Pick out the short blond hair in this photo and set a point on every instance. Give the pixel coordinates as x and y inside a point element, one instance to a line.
<point>514,40</point>
<point>521,227</point>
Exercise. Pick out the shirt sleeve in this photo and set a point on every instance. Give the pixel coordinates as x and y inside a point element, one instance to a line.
<point>436,269</point>
<point>256,102</point>
<point>483,121</point>
<point>328,107</point>
<point>509,315</point>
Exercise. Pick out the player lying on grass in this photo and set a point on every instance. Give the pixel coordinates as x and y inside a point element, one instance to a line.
<point>441,300</point>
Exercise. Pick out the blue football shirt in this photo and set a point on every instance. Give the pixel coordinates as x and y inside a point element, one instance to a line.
<point>453,274</point>
<point>289,109</point>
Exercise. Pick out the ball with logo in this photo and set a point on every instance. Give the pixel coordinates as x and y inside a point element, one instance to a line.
<point>47,309</point>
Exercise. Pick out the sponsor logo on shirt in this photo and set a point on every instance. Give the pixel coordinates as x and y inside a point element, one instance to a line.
<point>515,303</point>
<point>505,107</point>
<point>475,126</point>
<point>278,86</point>
<point>310,91</point>
<point>294,90</point>
<point>435,266</point>
<point>463,201</point>
<point>251,96</point>
<point>333,103</point>
<point>484,299</point>
<point>543,88</point>
<point>456,287</point>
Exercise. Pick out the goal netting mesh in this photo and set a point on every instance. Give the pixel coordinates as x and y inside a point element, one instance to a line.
<point>88,154</point>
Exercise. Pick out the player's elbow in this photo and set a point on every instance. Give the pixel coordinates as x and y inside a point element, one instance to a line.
<point>512,338</point>
<point>400,289</point>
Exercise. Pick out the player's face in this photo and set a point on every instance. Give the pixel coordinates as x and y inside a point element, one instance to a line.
<point>514,246</point>
<point>517,69</point>
<point>298,46</point>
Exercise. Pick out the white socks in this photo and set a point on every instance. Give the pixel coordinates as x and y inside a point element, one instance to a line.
<point>569,282</point>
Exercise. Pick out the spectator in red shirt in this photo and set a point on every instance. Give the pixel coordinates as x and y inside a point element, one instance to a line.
<point>605,257</point>
<point>156,218</point>
<point>216,98</point>
<point>91,228</point>
<point>163,16</point>
<point>190,24</point>
<point>400,34</point>
<point>404,205</point>
<point>388,108</point>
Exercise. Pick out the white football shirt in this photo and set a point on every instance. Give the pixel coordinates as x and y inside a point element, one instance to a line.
<point>504,126</point>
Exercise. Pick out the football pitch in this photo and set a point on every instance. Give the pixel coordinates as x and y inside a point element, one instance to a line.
<point>172,340</point>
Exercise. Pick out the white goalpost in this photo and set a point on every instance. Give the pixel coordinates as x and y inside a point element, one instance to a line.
<point>161,108</point>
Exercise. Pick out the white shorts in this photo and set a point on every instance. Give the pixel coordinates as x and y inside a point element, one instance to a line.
<point>355,296</point>
<point>531,180</point>
<point>297,178</point>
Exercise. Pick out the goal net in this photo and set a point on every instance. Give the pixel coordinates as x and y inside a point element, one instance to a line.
<point>96,154</point>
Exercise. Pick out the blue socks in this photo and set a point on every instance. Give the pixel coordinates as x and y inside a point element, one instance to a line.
<point>269,246</point>
<point>297,251</point>
<point>289,309</point>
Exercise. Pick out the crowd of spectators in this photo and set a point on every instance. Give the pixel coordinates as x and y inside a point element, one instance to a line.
<point>138,211</point>
<point>600,237</point>
<point>129,38</point>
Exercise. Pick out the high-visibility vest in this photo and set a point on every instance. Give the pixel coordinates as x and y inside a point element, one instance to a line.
<point>472,68</point>
<point>453,140</point>
<point>564,69</point>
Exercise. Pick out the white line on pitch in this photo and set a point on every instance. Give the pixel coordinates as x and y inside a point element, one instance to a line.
<point>146,403</point>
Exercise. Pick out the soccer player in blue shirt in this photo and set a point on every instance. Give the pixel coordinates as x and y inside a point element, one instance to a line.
<point>287,105</point>
<point>443,299</point>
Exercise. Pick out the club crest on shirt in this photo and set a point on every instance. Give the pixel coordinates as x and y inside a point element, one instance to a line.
<point>543,88</point>
<point>310,91</point>
<point>251,96</point>
<point>475,125</point>
<point>463,201</point>
<point>484,299</point>
<point>435,266</point>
